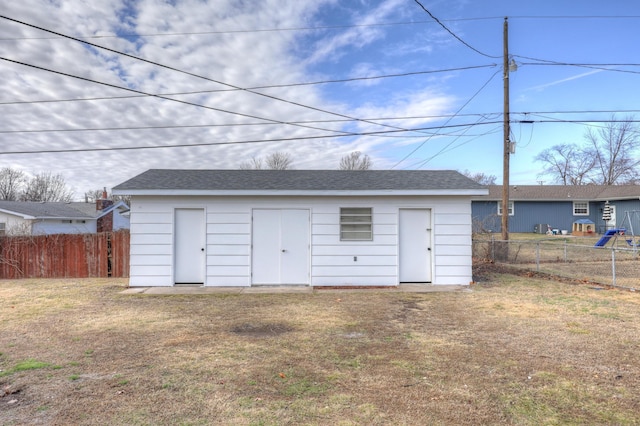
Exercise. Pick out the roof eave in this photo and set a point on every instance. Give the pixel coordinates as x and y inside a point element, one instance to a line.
<point>308,193</point>
<point>65,218</point>
<point>14,213</point>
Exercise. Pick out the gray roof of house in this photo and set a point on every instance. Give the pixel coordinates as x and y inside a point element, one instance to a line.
<point>564,192</point>
<point>298,180</point>
<point>44,210</point>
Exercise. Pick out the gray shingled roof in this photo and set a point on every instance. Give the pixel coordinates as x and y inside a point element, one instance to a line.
<point>564,192</point>
<point>298,180</point>
<point>44,210</point>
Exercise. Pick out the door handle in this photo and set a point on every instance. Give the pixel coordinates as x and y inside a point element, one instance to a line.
<point>283,250</point>
<point>201,249</point>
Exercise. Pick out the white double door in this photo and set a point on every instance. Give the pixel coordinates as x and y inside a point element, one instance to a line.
<point>280,246</point>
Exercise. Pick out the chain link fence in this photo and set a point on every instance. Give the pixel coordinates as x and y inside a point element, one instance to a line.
<point>617,265</point>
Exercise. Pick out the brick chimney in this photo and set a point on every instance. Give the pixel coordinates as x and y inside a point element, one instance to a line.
<point>103,202</point>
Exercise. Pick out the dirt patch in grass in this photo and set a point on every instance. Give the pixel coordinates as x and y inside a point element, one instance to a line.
<point>261,329</point>
<point>514,350</point>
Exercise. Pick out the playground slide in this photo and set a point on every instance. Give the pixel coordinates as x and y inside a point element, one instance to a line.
<point>607,236</point>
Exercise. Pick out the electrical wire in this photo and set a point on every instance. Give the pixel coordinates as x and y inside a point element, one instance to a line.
<point>197,126</point>
<point>167,98</point>
<point>130,148</point>
<point>421,163</point>
<point>330,27</point>
<point>449,120</point>
<point>452,33</point>
<point>256,30</point>
<point>193,74</point>
<point>603,67</point>
<point>343,80</point>
<point>444,148</point>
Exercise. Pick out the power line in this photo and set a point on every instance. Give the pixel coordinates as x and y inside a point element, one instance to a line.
<point>343,80</point>
<point>608,111</point>
<point>192,74</point>
<point>191,126</point>
<point>130,148</point>
<point>449,120</point>
<point>444,148</point>
<point>166,98</point>
<point>603,67</point>
<point>421,163</point>
<point>575,17</point>
<point>328,27</point>
<point>249,31</point>
<point>452,33</point>
<point>583,121</point>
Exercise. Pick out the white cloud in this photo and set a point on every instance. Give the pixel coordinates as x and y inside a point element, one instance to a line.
<point>245,59</point>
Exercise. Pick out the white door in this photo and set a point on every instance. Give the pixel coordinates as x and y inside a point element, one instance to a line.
<point>612,223</point>
<point>189,236</point>
<point>280,252</point>
<point>415,245</point>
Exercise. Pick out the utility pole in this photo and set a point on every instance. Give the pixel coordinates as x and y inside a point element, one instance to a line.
<point>506,131</point>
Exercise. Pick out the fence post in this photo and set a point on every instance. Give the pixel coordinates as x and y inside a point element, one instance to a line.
<point>537,256</point>
<point>613,266</point>
<point>493,249</point>
<point>565,251</point>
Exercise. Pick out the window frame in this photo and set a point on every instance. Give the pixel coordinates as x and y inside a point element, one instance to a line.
<point>586,213</point>
<point>510,207</point>
<point>344,213</point>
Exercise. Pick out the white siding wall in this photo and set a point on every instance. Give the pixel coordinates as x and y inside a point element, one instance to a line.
<point>15,224</point>
<point>452,242</point>
<point>332,261</point>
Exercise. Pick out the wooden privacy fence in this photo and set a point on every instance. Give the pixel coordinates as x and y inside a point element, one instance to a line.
<point>65,255</point>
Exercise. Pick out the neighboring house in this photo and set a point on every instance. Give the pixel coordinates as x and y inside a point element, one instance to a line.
<point>558,206</point>
<point>308,227</point>
<point>109,216</point>
<point>40,218</point>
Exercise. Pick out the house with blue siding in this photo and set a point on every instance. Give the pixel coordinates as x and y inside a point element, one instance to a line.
<point>47,218</point>
<point>533,208</point>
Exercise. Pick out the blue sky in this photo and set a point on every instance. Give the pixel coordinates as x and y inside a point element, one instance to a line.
<point>433,118</point>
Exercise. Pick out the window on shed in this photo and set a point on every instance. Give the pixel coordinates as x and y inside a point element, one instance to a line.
<point>3,228</point>
<point>580,208</point>
<point>510,207</point>
<point>356,224</point>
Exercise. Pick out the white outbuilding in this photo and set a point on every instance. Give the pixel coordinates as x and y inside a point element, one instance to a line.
<point>300,227</point>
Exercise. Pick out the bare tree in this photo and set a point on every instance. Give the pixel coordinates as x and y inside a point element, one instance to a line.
<point>355,161</point>
<point>614,148</point>
<point>93,195</point>
<point>276,161</point>
<point>480,177</point>
<point>11,183</point>
<point>97,194</point>
<point>46,187</point>
<point>567,164</point>
<point>279,161</point>
<point>254,163</point>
